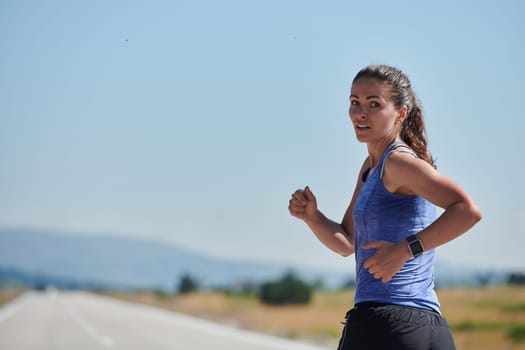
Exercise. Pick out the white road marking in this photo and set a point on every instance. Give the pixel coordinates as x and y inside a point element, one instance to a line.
<point>89,329</point>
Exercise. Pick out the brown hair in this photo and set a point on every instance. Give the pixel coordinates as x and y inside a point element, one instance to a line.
<point>413,131</point>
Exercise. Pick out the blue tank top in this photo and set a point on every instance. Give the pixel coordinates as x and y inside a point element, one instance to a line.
<point>381,215</point>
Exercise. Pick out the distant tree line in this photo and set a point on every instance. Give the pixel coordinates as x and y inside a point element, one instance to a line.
<point>39,281</point>
<point>288,289</point>
<point>516,278</point>
<point>291,289</point>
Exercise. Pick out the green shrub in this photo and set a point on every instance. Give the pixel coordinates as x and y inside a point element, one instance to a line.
<point>516,278</point>
<point>288,290</point>
<point>187,284</point>
<point>517,333</point>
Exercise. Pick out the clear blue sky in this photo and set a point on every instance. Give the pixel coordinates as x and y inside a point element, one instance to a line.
<point>191,122</point>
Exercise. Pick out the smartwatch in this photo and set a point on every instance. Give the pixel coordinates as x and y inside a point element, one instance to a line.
<point>415,246</point>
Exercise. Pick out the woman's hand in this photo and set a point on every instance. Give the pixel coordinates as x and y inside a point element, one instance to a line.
<point>388,259</point>
<point>303,204</point>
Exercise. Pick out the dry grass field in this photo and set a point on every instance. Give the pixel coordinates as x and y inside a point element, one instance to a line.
<point>490,318</point>
<point>481,319</point>
<point>8,294</point>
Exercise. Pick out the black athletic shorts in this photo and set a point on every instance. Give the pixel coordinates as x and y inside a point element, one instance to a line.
<point>371,326</point>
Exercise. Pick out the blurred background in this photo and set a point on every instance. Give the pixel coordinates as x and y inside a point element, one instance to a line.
<point>147,144</point>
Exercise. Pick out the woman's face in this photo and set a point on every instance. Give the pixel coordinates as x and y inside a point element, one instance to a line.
<point>372,112</point>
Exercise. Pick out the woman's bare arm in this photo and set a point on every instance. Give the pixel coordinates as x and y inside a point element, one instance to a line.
<point>338,237</point>
<point>407,175</point>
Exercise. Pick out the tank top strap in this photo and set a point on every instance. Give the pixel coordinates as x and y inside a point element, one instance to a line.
<point>391,149</point>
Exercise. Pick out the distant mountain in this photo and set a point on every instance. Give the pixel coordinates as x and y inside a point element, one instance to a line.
<point>118,262</point>
<point>36,257</point>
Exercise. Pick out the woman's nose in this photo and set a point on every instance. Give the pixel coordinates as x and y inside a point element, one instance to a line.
<point>357,112</point>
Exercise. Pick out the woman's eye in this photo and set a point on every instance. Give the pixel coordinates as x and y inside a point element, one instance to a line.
<point>354,103</point>
<point>374,104</point>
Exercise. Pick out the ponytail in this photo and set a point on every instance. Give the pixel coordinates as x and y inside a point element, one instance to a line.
<point>414,134</point>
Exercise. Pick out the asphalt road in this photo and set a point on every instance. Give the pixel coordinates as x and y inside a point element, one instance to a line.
<point>79,320</point>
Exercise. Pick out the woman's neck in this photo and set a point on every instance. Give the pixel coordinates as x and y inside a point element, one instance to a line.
<point>376,150</point>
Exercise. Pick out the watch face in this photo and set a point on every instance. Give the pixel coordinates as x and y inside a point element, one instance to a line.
<point>416,248</point>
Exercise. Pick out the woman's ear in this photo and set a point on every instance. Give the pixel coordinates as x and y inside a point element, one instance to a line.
<point>403,111</point>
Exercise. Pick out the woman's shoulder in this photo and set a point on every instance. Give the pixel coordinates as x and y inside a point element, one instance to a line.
<point>404,160</point>
<point>402,169</point>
